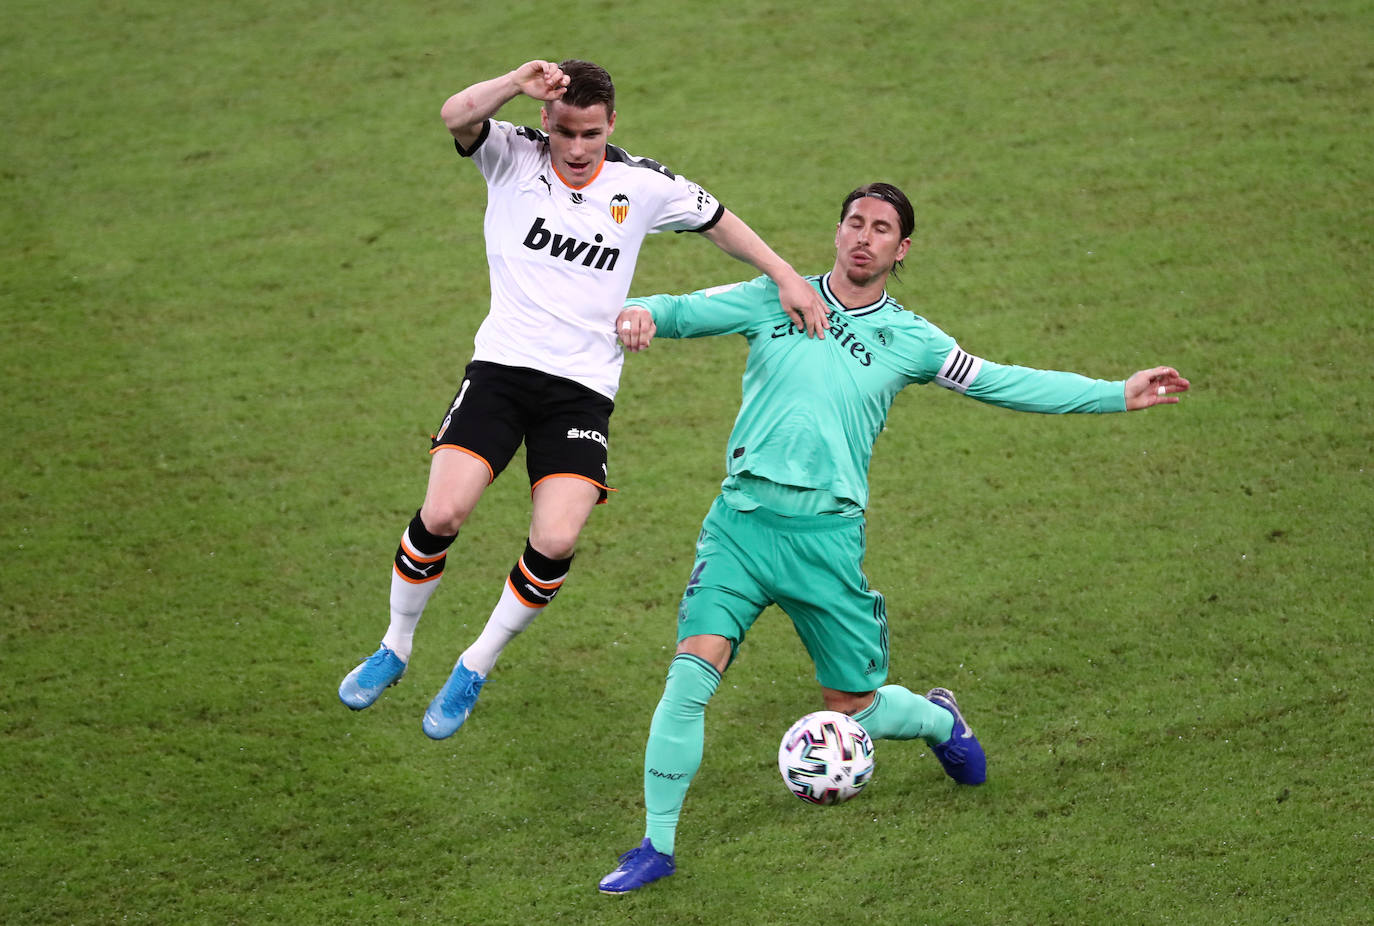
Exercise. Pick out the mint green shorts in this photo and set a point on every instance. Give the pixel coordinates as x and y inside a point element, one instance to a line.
<point>812,568</point>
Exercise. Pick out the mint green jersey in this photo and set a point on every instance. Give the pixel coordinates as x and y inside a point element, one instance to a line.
<point>812,408</point>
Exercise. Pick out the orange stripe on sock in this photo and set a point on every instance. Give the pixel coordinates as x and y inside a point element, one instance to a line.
<point>410,552</point>
<point>537,582</point>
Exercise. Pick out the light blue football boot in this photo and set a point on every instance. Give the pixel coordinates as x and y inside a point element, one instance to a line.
<point>452,705</point>
<point>374,675</point>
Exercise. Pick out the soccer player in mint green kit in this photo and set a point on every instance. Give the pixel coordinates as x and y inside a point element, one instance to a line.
<point>788,526</point>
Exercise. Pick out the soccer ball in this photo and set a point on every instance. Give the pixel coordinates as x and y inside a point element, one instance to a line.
<point>826,758</point>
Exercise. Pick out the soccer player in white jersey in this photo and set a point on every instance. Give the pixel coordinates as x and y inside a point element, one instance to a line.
<point>566,215</point>
<point>788,526</point>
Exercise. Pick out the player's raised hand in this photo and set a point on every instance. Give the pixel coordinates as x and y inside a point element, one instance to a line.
<point>804,306</point>
<point>467,110</point>
<point>542,80</point>
<point>636,328</point>
<point>1155,386</point>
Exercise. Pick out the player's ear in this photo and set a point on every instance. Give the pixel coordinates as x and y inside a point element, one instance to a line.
<point>610,126</point>
<point>544,117</point>
<point>903,248</point>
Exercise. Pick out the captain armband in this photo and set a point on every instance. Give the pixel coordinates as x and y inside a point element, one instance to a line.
<point>959,371</point>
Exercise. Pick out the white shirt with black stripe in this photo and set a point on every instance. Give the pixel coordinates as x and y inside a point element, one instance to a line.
<point>561,258</point>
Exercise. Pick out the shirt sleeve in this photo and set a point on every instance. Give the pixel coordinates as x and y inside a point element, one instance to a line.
<point>687,206</point>
<point>730,309</point>
<point>1023,389</point>
<point>497,149</point>
<point>1050,392</point>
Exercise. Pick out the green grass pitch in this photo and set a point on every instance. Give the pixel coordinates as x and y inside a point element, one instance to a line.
<point>240,273</point>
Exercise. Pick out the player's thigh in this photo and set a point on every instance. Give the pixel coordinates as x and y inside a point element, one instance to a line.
<point>567,435</point>
<point>710,647</point>
<point>726,590</point>
<point>457,480</point>
<point>487,417</point>
<point>560,508</point>
<point>846,636</point>
<point>841,621</point>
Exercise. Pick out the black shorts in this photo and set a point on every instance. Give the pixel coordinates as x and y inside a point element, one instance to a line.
<point>564,424</point>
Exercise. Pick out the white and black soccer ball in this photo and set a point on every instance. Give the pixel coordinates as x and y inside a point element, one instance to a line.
<point>826,758</point>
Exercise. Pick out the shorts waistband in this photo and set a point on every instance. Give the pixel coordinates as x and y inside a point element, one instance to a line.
<point>798,524</point>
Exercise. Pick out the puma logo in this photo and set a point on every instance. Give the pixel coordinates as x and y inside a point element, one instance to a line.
<point>538,594</point>
<point>414,568</point>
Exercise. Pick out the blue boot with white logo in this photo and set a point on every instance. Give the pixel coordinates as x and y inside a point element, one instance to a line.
<point>961,755</point>
<point>454,702</point>
<point>640,866</point>
<point>374,675</point>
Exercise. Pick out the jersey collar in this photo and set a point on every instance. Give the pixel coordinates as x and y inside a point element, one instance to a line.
<point>572,186</point>
<point>861,310</point>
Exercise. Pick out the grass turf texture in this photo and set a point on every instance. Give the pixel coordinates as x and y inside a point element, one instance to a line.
<point>240,275</point>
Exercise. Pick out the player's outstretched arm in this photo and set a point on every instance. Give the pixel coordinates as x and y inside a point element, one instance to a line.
<point>466,110</point>
<point>801,303</point>
<point>1155,386</point>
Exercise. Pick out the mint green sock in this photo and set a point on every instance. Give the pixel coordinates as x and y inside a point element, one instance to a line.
<point>677,736</point>
<point>898,714</point>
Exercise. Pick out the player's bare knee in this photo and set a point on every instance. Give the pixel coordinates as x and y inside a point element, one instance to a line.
<point>443,519</point>
<point>714,649</point>
<point>847,702</point>
<point>555,544</point>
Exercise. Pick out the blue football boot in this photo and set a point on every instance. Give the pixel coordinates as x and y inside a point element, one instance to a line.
<point>640,866</point>
<point>374,675</point>
<point>961,755</point>
<point>452,705</point>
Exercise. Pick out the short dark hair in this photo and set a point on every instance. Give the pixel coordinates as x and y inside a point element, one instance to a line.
<point>588,85</point>
<point>906,215</point>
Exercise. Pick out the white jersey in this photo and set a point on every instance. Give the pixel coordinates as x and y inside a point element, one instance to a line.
<point>562,257</point>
